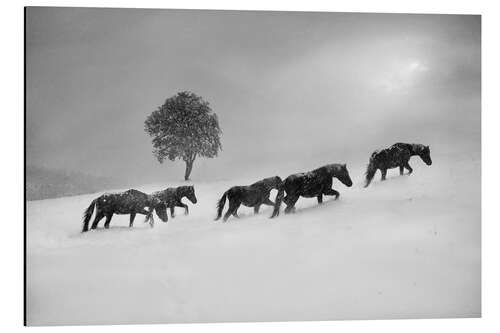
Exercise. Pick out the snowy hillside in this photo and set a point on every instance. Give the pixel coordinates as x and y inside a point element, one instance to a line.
<point>405,248</point>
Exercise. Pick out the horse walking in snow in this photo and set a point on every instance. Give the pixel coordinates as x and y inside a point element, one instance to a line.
<point>315,183</point>
<point>397,155</point>
<point>253,195</point>
<point>172,197</point>
<point>129,202</point>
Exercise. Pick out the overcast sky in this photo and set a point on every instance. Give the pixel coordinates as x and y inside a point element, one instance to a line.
<point>294,89</point>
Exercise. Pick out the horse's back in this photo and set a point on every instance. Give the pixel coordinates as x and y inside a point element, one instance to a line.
<point>124,202</point>
<point>295,181</point>
<point>238,190</point>
<point>294,177</point>
<point>261,182</point>
<point>402,145</point>
<point>391,157</point>
<point>167,195</point>
<point>267,184</point>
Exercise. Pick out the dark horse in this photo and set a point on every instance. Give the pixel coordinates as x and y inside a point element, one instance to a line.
<point>315,183</point>
<point>129,202</point>
<point>253,195</point>
<point>397,155</point>
<point>172,197</point>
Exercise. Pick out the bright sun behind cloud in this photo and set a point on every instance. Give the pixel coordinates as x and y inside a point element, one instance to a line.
<point>417,66</point>
<point>402,77</point>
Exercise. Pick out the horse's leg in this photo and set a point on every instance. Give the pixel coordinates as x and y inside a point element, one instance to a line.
<point>147,213</point>
<point>401,170</point>
<point>268,202</point>
<point>183,205</point>
<point>172,211</point>
<point>384,173</point>
<point>226,216</point>
<point>320,198</point>
<point>98,217</point>
<point>150,213</point>
<point>235,212</point>
<point>256,209</point>
<point>331,191</point>
<point>132,217</point>
<point>232,210</point>
<point>290,204</point>
<point>85,226</point>
<point>229,210</point>
<point>407,166</point>
<point>108,220</point>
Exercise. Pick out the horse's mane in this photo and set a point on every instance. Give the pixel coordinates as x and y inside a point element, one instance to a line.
<point>331,168</point>
<point>183,187</point>
<point>417,147</point>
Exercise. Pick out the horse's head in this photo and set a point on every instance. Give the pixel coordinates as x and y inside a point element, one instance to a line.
<point>189,193</point>
<point>161,210</point>
<point>425,155</point>
<point>343,175</point>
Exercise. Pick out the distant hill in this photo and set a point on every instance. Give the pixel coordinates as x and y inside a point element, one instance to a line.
<point>44,183</point>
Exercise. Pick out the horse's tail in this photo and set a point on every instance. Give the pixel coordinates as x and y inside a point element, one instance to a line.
<point>220,205</point>
<point>370,170</point>
<point>278,200</point>
<point>87,214</point>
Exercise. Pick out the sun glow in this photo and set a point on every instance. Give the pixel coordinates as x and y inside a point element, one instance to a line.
<point>417,66</point>
<point>402,78</point>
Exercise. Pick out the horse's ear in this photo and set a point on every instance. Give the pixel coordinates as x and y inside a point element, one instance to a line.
<point>344,166</point>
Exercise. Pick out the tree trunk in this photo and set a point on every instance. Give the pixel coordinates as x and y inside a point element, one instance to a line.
<point>189,168</point>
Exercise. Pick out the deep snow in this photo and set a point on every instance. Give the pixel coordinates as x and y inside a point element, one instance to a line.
<point>408,247</point>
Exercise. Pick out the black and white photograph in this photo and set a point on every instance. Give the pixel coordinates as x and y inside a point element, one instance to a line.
<point>214,166</point>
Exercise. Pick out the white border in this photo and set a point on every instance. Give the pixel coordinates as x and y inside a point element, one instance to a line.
<point>11,191</point>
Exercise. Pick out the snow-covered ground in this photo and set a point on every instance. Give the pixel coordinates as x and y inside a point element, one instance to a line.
<point>405,248</point>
